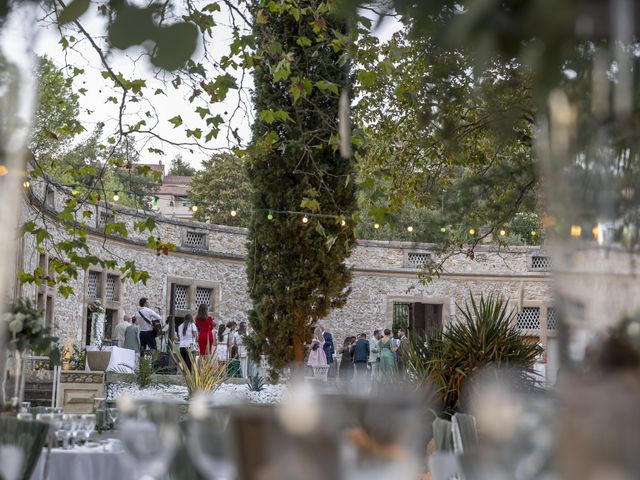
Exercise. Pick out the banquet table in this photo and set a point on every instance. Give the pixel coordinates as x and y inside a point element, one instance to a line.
<point>121,360</point>
<point>85,463</point>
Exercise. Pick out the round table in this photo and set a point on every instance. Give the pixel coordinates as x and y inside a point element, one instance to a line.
<point>84,463</point>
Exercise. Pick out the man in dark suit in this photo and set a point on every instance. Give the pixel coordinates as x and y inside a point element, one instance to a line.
<point>329,350</point>
<point>360,352</point>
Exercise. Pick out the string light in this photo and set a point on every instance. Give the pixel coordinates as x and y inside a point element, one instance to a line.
<point>472,231</point>
<point>376,226</point>
<point>305,219</point>
<point>409,229</point>
<point>595,231</point>
<point>234,213</point>
<point>443,230</point>
<point>576,230</point>
<point>502,233</point>
<point>270,216</point>
<point>194,208</point>
<point>533,233</point>
<point>116,197</point>
<point>343,223</point>
<point>26,183</point>
<point>3,170</point>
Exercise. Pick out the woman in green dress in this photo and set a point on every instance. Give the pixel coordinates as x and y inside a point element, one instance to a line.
<point>387,368</point>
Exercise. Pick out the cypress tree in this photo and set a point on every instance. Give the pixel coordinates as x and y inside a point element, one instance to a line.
<point>296,272</point>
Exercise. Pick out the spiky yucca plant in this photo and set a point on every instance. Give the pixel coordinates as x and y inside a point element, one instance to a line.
<point>485,338</point>
<point>206,374</point>
<point>255,382</point>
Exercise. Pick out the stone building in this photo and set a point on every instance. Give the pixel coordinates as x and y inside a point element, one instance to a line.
<point>208,266</point>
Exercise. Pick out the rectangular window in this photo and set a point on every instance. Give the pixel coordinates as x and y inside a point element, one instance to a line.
<point>111,288</point>
<point>552,319</point>
<point>529,318</point>
<point>181,297</point>
<point>203,296</point>
<point>110,319</point>
<point>541,262</point>
<point>93,284</point>
<point>48,313</point>
<point>401,313</point>
<point>418,258</point>
<point>194,239</point>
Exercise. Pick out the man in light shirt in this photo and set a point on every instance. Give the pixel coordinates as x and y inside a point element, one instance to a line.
<point>374,355</point>
<point>144,319</point>
<point>121,328</point>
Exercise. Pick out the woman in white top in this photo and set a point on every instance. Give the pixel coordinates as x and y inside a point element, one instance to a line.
<point>188,333</point>
<point>223,339</point>
<point>242,349</point>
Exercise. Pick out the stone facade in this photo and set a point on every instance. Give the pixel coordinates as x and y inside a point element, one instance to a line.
<point>210,258</point>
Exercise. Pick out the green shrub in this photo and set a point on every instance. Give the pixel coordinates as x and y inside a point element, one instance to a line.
<point>485,337</point>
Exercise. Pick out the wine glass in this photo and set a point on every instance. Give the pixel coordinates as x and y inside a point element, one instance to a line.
<point>88,423</point>
<point>112,415</point>
<point>209,440</point>
<point>150,433</point>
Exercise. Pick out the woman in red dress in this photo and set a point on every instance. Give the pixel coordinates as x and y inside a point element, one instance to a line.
<point>205,330</point>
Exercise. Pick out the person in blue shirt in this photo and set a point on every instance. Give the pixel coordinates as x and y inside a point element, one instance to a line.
<point>360,353</point>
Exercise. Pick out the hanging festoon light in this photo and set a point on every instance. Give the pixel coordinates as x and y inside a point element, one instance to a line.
<point>534,233</point>
<point>194,208</point>
<point>3,170</point>
<point>116,197</point>
<point>502,232</point>
<point>305,219</point>
<point>234,212</point>
<point>443,229</point>
<point>472,231</point>
<point>409,229</point>
<point>376,226</point>
<point>269,216</point>
<point>576,230</point>
<point>343,223</point>
<point>26,183</point>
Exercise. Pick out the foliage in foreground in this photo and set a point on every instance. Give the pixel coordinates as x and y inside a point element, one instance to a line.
<point>485,338</point>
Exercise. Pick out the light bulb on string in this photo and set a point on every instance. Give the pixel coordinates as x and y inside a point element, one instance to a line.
<point>234,213</point>
<point>443,230</point>
<point>305,219</point>
<point>3,170</point>
<point>26,183</point>
<point>194,208</point>
<point>409,229</point>
<point>270,216</point>
<point>376,226</point>
<point>595,232</point>
<point>472,231</point>
<point>502,233</point>
<point>533,233</point>
<point>116,197</point>
<point>343,223</point>
<point>576,230</point>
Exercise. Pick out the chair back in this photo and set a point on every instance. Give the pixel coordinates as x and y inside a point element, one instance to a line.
<point>29,436</point>
<point>321,371</point>
<point>445,466</point>
<point>442,435</point>
<point>465,436</point>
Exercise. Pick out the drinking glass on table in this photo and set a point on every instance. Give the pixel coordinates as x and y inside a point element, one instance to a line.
<point>112,416</point>
<point>86,425</point>
<point>24,416</point>
<point>150,433</point>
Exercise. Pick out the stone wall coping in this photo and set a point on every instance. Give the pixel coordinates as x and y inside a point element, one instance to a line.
<point>415,271</point>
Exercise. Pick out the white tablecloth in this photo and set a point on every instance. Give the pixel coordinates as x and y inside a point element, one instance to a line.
<point>83,463</point>
<point>122,359</point>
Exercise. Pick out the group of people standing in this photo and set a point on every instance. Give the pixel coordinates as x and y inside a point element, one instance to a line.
<point>385,356</point>
<point>145,331</point>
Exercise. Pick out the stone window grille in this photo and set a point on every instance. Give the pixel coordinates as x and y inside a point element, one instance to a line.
<point>194,239</point>
<point>111,288</point>
<point>92,284</point>
<point>105,218</point>
<point>181,296</point>
<point>541,262</point>
<point>552,319</point>
<point>418,258</point>
<point>203,296</point>
<point>529,318</point>
<point>49,197</point>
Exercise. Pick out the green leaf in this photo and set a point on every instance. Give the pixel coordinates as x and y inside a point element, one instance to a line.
<point>197,133</point>
<point>74,10</point>
<point>304,42</point>
<point>327,85</point>
<point>203,112</point>
<point>267,116</point>
<point>176,121</point>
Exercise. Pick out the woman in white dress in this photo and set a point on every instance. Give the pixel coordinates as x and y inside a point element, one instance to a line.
<point>222,352</point>
<point>188,333</point>
<point>242,349</point>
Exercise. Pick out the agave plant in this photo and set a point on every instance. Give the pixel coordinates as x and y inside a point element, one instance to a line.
<point>255,382</point>
<point>206,374</point>
<point>485,338</point>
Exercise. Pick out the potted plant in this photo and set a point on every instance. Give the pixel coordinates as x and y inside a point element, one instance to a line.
<point>97,359</point>
<point>26,332</point>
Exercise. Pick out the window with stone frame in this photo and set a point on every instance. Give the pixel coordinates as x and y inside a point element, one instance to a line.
<point>105,287</point>
<point>112,288</point>
<point>418,258</point>
<point>528,318</point>
<point>195,239</point>
<point>181,297</point>
<point>189,295</point>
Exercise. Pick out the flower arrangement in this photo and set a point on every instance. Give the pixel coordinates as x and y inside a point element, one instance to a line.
<point>96,310</point>
<point>26,329</point>
<point>96,307</point>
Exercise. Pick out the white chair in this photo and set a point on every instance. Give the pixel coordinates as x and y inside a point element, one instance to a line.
<point>321,371</point>
<point>10,462</point>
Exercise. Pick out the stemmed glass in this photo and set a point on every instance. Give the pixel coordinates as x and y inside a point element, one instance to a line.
<point>87,425</point>
<point>150,434</point>
<point>209,440</point>
<point>112,415</point>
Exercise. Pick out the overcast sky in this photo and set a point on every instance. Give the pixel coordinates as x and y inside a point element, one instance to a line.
<point>95,108</point>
